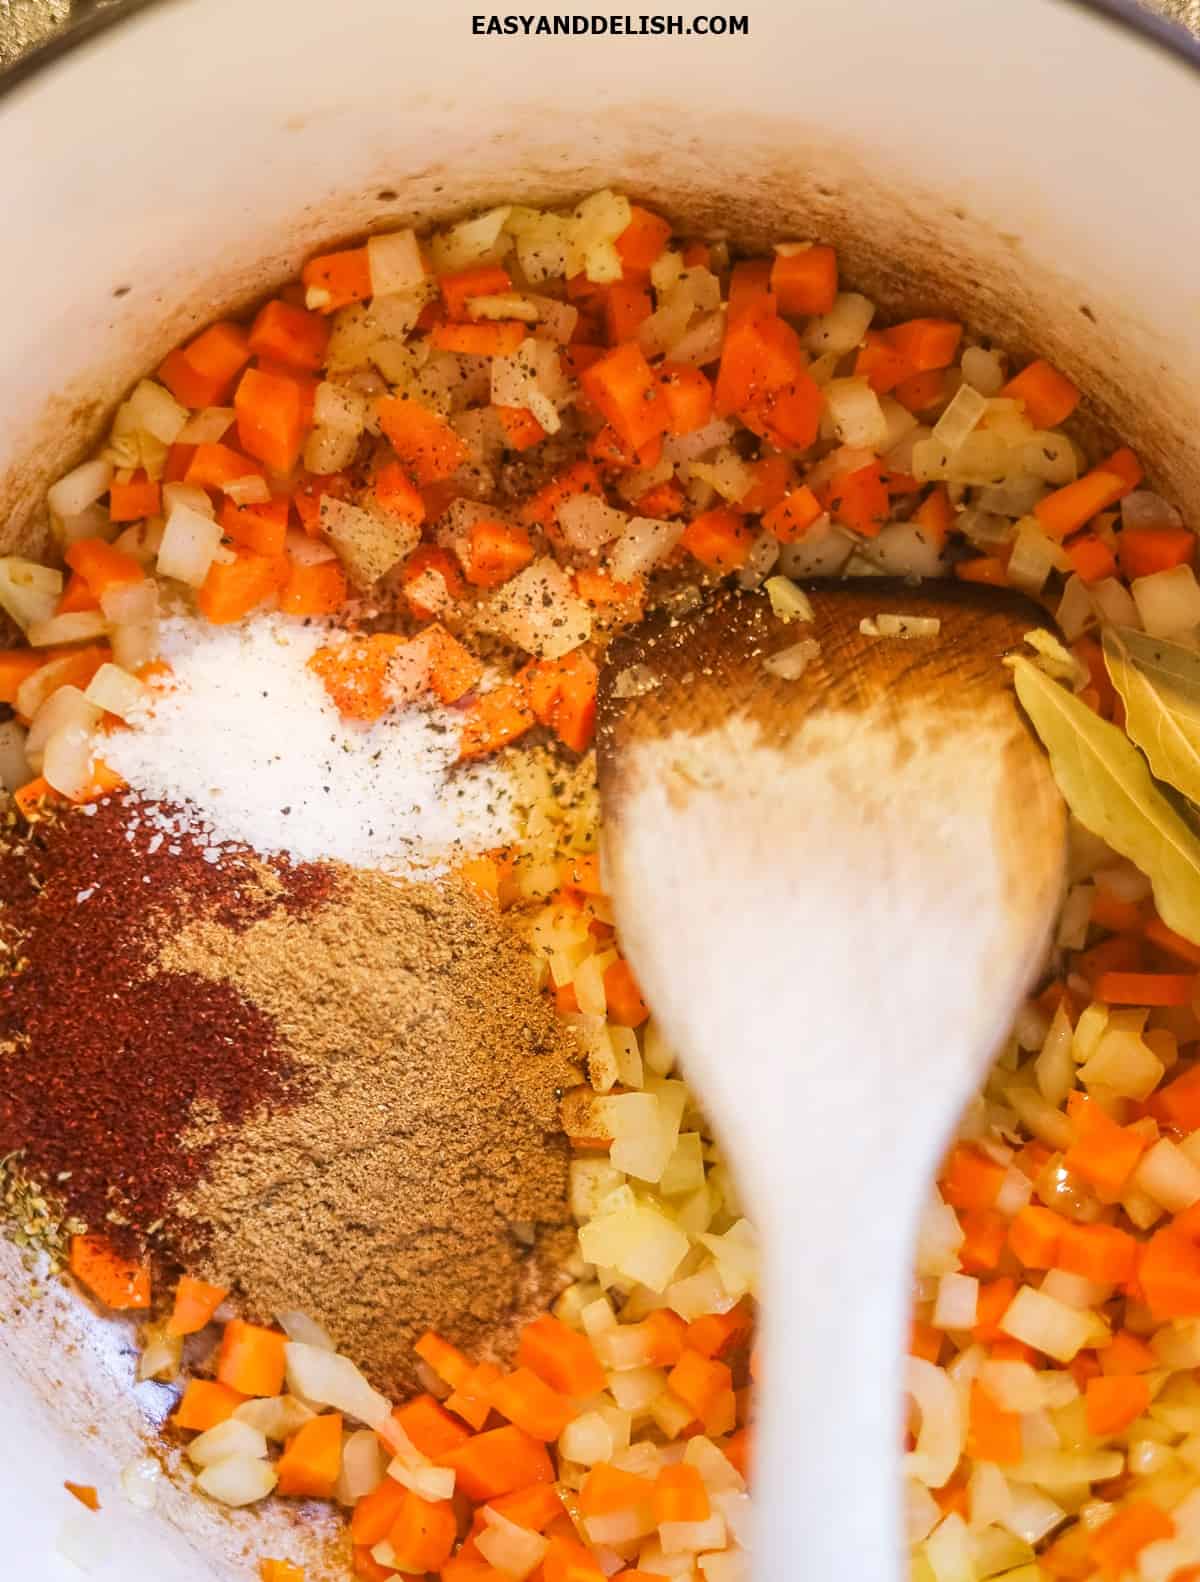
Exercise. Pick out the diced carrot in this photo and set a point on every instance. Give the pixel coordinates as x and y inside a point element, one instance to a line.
<point>430,1426</point>
<point>806,281</point>
<point>535,1507</point>
<point>790,416</point>
<point>1067,1559</point>
<point>1178,1103</point>
<point>481,280</point>
<point>1127,1353</point>
<point>719,539</point>
<point>334,280</point>
<point>532,1405</point>
<point>423,1534</point>
<point>1113,1403</point>
<point>374,1514</point>
<point>214,466</point>
<point>195,1303</point>
<point>918,392</point>
<point>1115,1545</point>
<point>179,459</point>
<point>1121,953</point>
<point>935,516</point>
<point>641,243</point>
<point>290,335</point>
<point>970,1179</point>
<point>32,794</point>
<point>700,1383</point>
<point>992,1433</point>
<point>774,476</point>
<point>990,570</point>
<point>626,1006</point>
<point>1091,558</point>
<point>117,1281</point>
<point>280,1571</point>
<point>1146,988</point>
<point>607,1490</point>
<point>1049,397</point>
<point>1169,1274</point>
<point>499,1461</point>
<point>1103,1153</point>
<point>355,673</point>
<point>231,590</point>
<point>1101,1253</point>
<point>560,1356</point>
<point>562,695</point>
<point>251,1359</point>
<point>541,509</point>
<point>202,373</point>
<point>881,364</point>
<point>367,1569</point>
<point>713,1334</point>
<point>497,553</point>
<point>101,566</point>
<point>1112,913</point>
<point>696,255</point>
<point>984,1236</point>
<point>680,1495</point>
<point>627,394</point>
<point>1142,551</point>
<point>500,338</point>
<point>16,665</point>
<point>567,1560</point>
<point>495,719</point>
<point>76,596</point>
<point>760,354</point>
<point>129,502</point>
<point>924,1341</point>
<point>617,601</point>
<point>446,1360</point>
<point>626,306</point>
<point>206,1403</point>
<point>1034,1236</point>
<point>1124,465</point>
<point>270,417</point>
<point>482,874</point>
<point>995,1298</point>
<point>453,670</point>
<point>85,1494</point>
<point>1066,510</point>
<point>1157,932</point>
<point>794,515</point>
<point>468,1565</point>
<point>423,440</point>
<point>750,289</point>
<point>688,395</point>
<point>312,1459</point>
<point>427,558</point>
<point>859,499</point>
<point>472,1400</point>
<point>1008,1350</point>
<point>260,528</point>
<point>737,1449</point>
<point>521,429</point>
<point>577,357</point>
<point>925,344</point>
<point>662,501</point>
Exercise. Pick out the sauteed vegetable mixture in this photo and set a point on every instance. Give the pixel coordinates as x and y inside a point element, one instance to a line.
<point>458,464</point>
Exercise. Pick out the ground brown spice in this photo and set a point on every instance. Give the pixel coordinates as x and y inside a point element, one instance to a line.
<point>423,1181</point>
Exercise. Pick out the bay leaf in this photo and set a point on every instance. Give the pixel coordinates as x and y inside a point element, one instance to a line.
<point>1108,787</point>
<point>1159,683</point>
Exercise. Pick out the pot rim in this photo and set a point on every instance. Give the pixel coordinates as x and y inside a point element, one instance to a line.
<point>1127,15</point>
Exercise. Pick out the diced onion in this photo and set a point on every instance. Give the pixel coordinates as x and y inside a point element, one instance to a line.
<point>431,1483</point>
<point>588,522</point>
<point>843,328</point>
<point>153,410</point>
<point>230,1438</point>
<point>539,611</point>
<point>701,343</point>
<point>514,1550</point>
<point>959,418</point>
<point>189,545</point>
<point>362,1469</point>
<point>238,1480</point>
<point>856,414</point>
<point>939,1236</point>
<point>639,1241</point>
<point>942,1432</point>
<point>84,1542</point>
<point>306,551</point>
<point>531,377</point>
<point>788,602</point>
<point>1031,1515</point>
<point>298,1326</point>
<point>161,1354</point>
<point>29,592</point>
<point>276,1416</point>
<point>67,762</point>
<point>1141,508</point>
<point>135,644</point>
<point>691,1537</point>
<point>821,552</point>
<point>1167,1175</point>
<point>1050,457</point>
<point>502,305</point>
<point>394,263</point>
<point>957,1298</point>
<point>140,1481</point>
<point>117,692</point>
<point>904,549</point>
<point>15,770</point>
<point>369,543</point>
<point>79,488</point>
<point>983,370</point>
<point>207,427</point>
<point>789,664</point>
<point>472,241</point>
<point>332,1380</point>
<point>1046,1324</point>
<point>1168,602</point>
<point>130,603</point>
<point>1114,603</point>
<point>78,626</point>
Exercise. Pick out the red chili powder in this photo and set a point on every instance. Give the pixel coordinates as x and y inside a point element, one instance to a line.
<point>102,1057</point>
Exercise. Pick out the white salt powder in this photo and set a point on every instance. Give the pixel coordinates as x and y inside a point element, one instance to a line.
<point>248,744</point>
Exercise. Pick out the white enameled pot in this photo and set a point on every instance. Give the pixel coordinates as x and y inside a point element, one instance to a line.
<point>1032,165</point>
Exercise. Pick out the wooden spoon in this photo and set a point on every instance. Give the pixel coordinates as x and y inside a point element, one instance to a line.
<point>834,891</point>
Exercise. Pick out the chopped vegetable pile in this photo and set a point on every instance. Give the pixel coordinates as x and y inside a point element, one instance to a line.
<point>474,456</point>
